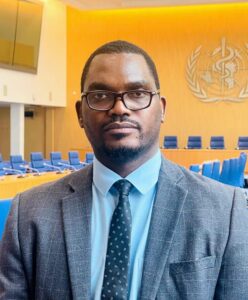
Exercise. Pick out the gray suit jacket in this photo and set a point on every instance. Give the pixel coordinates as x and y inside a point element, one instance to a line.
<point>197,246</point>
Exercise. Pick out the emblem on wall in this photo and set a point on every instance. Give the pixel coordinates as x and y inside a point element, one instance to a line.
<point>220,74</point>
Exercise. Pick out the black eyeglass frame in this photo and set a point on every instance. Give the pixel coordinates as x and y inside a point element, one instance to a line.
<point>119,95</point>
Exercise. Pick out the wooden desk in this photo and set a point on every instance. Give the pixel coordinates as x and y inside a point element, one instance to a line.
<point>11,185</point>
<point>187,157</point>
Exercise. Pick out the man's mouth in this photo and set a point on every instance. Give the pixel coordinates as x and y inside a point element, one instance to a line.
<point>120,127</point>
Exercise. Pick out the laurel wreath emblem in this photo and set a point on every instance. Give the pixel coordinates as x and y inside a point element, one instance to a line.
<point>198,91</point>
<point>244,92</point>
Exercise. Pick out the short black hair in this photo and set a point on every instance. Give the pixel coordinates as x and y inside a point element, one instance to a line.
<point>120,47</point>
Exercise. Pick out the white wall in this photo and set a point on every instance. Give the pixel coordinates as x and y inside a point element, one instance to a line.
<point>48,86</point>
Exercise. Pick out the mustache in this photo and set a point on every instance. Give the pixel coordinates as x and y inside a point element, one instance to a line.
<point>120,120</point>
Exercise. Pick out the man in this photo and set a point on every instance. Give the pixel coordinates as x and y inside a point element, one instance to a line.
<point>185,236</point>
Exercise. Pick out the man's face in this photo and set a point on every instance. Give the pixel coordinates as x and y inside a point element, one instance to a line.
<point>121,133</point>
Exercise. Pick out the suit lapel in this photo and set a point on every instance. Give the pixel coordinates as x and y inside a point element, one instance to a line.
<point>167,208</point>
<point>76,213</point>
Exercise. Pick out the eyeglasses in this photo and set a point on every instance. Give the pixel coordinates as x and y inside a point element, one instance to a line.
<point>105,100</point>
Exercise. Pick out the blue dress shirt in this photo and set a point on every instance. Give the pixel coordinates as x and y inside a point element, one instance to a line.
<point>144,180</point>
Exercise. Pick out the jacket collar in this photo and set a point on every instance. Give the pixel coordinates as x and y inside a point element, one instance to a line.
<point>167,208</point>
<point>76,214</point>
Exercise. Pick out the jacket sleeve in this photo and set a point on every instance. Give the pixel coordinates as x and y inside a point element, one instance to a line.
<point>232,281</point>
<point>13,283</point>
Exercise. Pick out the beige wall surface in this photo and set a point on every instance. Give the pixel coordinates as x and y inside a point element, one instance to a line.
<point>48,86</point>
<point>170,35</point>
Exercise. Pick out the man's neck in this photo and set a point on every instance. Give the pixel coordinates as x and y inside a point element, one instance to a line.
<point>124,168</point>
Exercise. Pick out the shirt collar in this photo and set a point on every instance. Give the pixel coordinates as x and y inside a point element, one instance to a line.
<point>144,178</point>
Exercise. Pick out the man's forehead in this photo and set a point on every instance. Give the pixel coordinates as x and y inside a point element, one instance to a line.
<point>118,58</point>
<point>110,66</point>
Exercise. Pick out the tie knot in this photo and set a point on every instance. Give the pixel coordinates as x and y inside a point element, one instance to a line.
<point>123,186</point>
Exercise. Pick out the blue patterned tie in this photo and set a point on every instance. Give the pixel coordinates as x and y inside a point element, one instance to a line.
<point>115,281</point>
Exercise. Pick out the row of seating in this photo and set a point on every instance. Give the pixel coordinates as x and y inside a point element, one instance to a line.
<point>37,164</point>
<point>230,172</point>
<point>195,142</point>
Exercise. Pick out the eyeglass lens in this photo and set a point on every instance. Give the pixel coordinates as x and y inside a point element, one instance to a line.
<point>134,100</point>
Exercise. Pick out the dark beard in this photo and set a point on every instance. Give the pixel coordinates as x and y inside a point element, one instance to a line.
<point>123,154</point>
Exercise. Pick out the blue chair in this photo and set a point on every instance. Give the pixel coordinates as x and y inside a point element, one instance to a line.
<point>242,142</point>
<point>5,163</point>
<point>195,168</point>
<point>216,170</point>
<point>242,164</point>
<point>74,160</point>
<point>217,142</point>
<point>170,142</point>
<point>2,171</point>
<point>4,211</point>
<point>18,163</point>
<point>57,161</point>
<point>38,163</point>
<point>194,142</point>
<point>207,169</point>
<point>89,157</point>
<point>224,174</point>
<point>234,172</point>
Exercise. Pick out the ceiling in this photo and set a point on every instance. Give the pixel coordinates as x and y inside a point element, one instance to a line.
<point>117,4</point>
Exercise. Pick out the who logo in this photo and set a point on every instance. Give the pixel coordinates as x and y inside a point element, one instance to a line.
<point>219,74</point>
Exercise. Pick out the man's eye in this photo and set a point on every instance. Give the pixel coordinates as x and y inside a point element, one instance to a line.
<point>136,94</point>
<point>100,96</point>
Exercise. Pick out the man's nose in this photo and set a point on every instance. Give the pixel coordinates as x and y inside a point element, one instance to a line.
<point>119,107</point>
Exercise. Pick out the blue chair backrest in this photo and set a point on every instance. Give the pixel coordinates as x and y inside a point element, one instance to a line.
<point>17,162</point>
<point>2,172</point>
<point>74,158</point>
<point>3,164</point>
<point>89,157</point>
<point>216,170</point>
<point>195,168</point>
<point>170,142</point>
<point>55,158</point>
<point>207,169</point>
<point>4,211</point>
<point>243,142</point>
<point>217,142</point>
<point>234,172</point>
<point>224,174</point>
<point>37,160</point>
<point>242,164</point>
<point>194,142</point>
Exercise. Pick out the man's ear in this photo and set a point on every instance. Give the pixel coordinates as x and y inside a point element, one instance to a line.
<point>163,107</point>
<point>79,113</point>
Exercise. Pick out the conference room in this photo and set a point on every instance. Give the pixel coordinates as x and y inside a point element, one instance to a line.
<point>199,47</point>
